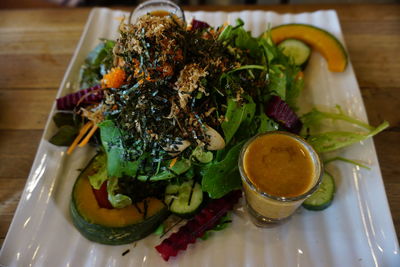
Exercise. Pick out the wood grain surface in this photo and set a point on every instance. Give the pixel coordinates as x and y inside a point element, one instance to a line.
<point>36,46</point>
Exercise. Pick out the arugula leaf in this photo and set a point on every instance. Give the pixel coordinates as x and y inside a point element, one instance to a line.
<point>329,141</point>
<point>237,36</point>
<point>266,124</point>
<point>283,74</point>
<point>247,120</point>
<point>277,81</point>
<point>237,114</point>
<point>314,118</point>
<point>112,141</point>
<point>219,178</point>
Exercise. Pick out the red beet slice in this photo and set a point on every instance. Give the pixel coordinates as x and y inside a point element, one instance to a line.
<point>83,97</point>
<point>102,196</point>
<point>198,25</point>
<point>279,110</point>
<point>196,227</point>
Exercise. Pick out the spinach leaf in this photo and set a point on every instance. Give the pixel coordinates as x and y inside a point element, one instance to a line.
<point>64,118</point>
<point>219,178</point>
<point>64,136</point>
<point>112,140</point>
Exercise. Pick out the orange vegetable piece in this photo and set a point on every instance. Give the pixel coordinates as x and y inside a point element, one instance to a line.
<point>322,41</point>
<point>114,78</point>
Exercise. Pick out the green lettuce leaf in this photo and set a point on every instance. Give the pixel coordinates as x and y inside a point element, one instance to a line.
<point>97,179</point>
<point>117,200</point>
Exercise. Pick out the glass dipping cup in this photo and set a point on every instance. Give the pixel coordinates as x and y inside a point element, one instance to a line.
<point>265,209</point>
<point>157,5</point>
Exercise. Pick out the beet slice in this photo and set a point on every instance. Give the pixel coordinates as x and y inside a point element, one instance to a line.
<point>83,97</point>
<point>101,196</point>
<point>279,111</point>
<point>196,227</point>
<point>199,25</point>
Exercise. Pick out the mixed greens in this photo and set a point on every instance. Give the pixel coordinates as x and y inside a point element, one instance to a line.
<point>175,104</point>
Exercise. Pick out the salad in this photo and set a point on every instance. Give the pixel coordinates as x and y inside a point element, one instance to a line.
<point>168,107</point>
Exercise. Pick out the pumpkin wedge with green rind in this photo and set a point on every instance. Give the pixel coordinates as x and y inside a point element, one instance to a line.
<point>324,42</point>
<point>112,226</point>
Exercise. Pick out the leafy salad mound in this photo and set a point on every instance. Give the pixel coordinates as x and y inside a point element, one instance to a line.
<point>175,104</point>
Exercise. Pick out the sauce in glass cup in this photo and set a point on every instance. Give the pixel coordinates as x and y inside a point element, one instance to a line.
<point>279,170</point>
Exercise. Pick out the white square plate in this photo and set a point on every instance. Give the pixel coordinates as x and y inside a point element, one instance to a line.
<point>357,230</point>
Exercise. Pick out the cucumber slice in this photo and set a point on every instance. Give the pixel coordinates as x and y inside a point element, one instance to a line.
<point>323,197</point>
<point>299,51</point>
<point>184,199</point>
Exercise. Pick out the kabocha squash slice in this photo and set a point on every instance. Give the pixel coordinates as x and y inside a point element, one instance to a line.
<point>112,226</point>
<point>324,42</point>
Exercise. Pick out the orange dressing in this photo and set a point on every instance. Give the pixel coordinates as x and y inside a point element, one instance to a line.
<point>279,165</point>
<point>159,13</point>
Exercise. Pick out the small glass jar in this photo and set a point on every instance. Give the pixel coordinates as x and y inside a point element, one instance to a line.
<point>157,6</point>
<point>265,208</point>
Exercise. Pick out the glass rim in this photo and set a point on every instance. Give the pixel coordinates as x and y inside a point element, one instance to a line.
<point>314,155</point>
<point>136,13</point>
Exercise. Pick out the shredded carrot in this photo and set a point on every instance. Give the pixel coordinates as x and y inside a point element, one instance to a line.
<point>173,161</point>
<point>82,132</point>
<point>87,138</point>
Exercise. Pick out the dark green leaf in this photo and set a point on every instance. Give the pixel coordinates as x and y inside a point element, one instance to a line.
<point>63,118</point>
<point>219,178</point>
<point>117,164</point>
<point>236,114</point>
<point>65,136</point>
<point>266,124</point>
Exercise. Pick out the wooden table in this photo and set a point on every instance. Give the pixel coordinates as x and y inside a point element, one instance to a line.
<point>36,46</point>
